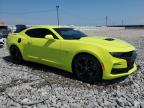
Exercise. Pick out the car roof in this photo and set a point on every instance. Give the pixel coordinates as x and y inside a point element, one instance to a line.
<point>47,26</point>
<point>3,27</point>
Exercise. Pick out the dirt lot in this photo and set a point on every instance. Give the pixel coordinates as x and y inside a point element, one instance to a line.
<point>35,86</point>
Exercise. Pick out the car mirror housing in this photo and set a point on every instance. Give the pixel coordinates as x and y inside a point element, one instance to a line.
<point>50,37</point>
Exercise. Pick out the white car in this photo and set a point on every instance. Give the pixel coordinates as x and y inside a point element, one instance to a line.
<point>3,34</point>
<point>1,41</point>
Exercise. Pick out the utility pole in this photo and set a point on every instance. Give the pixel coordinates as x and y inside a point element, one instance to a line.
<point>57,8</point>
<point>106,21</point>
<point>122,22</point>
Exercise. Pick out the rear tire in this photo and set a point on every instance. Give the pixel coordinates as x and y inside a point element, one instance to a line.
<point>16,55</point>
<point>87,68</point>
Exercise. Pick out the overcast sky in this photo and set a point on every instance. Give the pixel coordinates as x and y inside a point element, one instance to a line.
<point>72,12</point>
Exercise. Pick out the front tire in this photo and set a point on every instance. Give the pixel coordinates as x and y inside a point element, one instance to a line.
<point>87,68</point>
<point>16,55</point>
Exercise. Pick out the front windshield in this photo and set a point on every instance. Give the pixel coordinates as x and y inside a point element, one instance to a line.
<point>70,33</point>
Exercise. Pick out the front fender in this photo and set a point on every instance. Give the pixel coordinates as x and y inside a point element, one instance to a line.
<point>101,54</point>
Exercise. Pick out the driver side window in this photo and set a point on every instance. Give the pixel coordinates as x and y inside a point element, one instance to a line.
<point>39,33</point>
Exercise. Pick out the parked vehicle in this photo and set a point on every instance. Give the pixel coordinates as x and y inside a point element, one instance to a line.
<point>1,41</point>
<point>89,58</point>
<point>20,27</point>
<point>3,34</point>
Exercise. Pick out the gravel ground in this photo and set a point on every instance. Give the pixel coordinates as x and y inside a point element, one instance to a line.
<point>36,86</point>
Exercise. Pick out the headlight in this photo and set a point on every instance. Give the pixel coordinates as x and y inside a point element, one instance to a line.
<point>123,54</point>
<point>116,54</point>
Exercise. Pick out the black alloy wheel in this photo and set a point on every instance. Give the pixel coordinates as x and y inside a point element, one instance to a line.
<point>87,68</point>
<point>16,55</point>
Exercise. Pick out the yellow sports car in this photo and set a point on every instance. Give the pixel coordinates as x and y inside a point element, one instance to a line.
<point>89,58</point>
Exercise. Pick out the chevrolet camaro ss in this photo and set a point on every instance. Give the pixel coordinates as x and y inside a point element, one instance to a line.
<point>89,58</point>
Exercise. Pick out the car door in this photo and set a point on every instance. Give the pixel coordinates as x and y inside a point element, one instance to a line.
<point>41,49</point>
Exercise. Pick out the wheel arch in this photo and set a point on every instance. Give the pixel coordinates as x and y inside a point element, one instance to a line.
<point>17,47</point>
<point>89,53</point>
<point>13,45</point>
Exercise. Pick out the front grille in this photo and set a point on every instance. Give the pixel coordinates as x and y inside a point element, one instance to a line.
<point>130,58</point>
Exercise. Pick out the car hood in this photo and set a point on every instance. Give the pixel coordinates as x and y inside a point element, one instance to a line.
<point>108,43</point>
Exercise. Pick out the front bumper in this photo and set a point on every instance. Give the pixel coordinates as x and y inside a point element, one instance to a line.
<point>114,76</point>
<point>122,65</point>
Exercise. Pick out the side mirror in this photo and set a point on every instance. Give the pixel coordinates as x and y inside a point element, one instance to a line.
<point>50,37</point>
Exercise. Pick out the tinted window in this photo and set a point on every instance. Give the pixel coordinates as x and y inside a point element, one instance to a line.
<point>70,33</point>
<point>39,33</point>
<point>4,31</point>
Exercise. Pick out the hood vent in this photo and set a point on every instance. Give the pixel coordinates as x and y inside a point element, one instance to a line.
<point>109,39</point>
